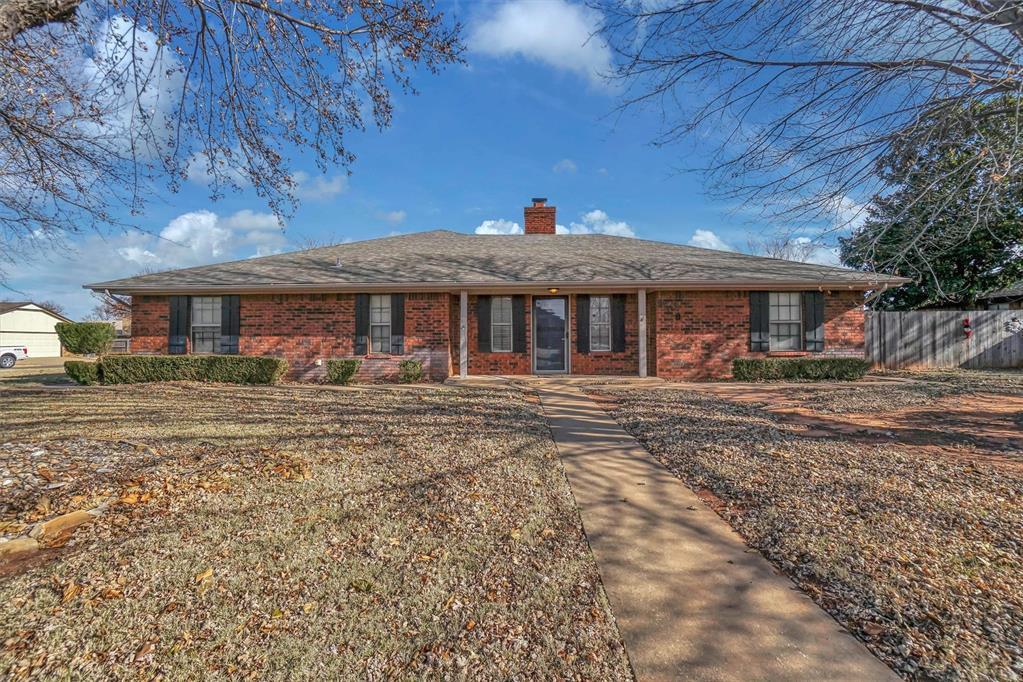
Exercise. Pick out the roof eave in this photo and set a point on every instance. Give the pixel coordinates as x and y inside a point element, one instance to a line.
<point>864,284</point>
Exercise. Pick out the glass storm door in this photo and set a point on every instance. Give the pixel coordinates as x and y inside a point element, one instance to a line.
<point>550,338</point>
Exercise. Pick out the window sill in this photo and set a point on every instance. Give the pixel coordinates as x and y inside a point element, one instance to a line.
<point>788,353</point>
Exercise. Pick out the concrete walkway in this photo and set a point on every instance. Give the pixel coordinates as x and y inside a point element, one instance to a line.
<point>691,600</point>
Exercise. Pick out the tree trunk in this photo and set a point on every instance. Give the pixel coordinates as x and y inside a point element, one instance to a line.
<point>17,16</point>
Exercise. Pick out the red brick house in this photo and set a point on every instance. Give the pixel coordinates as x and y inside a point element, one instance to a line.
<point>504,304</point>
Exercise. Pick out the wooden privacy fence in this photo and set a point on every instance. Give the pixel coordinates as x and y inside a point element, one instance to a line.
<point>935,338</point>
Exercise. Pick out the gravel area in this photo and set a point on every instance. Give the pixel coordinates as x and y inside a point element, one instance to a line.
<point>297,532</point>
<point>918,555</point>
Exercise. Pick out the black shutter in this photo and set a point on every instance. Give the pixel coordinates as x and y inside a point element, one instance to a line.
<point>519,324</point>
<point>813,321</point>
<point>361,324</point>
<point>759,321</point>
<point>618,323</point>
<point>483,324</point>
<point>177,332</point>
<point>582,323</point>
<point>397,324</point>
<point>230,323</point>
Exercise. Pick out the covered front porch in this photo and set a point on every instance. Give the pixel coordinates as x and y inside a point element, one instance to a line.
<point>550,332</point>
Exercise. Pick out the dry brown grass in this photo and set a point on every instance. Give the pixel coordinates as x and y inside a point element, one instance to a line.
<point>917,553</point>
<point>302,532</point>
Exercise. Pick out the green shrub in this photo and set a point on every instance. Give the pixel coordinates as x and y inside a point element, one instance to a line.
<point>228,369</point>
<point>82,371</point>
<point>342,371</point>
<point>410,371</point>
<point>799,369</point>
<point>86,338</point>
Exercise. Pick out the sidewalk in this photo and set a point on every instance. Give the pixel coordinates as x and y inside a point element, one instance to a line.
<point>691,600</point>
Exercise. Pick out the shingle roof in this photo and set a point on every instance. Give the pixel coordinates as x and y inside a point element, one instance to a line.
<point>1011,291</point>
<point>443,258</point>
<point>7,306</point>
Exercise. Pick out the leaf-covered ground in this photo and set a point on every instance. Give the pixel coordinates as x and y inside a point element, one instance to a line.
<point>911,389</point>
<point>297,532</point>
<point>917,553</point>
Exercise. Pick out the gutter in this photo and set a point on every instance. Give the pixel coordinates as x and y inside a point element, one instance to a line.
<point>524,287</point>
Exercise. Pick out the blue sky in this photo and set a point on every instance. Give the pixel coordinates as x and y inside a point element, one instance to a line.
<point>525,116</point>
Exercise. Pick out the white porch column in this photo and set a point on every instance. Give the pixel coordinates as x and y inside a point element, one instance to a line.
<point>641,304</point>
<point>463,334</point>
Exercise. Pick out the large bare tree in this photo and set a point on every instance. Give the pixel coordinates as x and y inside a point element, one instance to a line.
<point>797,102</point>
<point>103,104</point>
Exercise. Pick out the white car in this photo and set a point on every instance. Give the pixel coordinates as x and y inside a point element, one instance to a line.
<point>11,354</point>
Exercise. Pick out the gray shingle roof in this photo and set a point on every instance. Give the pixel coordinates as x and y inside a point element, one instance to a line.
<point>443,258</point>
<point>7,306</point>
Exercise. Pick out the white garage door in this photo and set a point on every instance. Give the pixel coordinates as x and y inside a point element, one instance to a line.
<point>39,345</point>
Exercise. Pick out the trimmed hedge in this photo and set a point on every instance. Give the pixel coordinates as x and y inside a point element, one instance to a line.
<point>86,338</point>
<point>805,369</point>
<point>84,372</point>
<point>410,371</point>
<point>342,371</point>
<point>228,369</point>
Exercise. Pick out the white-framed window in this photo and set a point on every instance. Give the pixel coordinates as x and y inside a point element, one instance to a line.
<point>501,324</point>
<point>786,320</point>
<point>600,323</point>
<point>206,324</point>
<point>380,323</point>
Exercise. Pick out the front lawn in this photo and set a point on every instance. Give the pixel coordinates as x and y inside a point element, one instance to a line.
<point>916,549</point>
<point>282,532</point>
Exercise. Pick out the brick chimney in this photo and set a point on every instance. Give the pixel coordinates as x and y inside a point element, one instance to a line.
<point>540,217</point>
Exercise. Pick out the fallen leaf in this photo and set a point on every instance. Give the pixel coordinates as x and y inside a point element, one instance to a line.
<point>204,575</point>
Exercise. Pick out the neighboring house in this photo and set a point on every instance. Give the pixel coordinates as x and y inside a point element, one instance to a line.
<point>23,323</point>
<point>539,303</point>
<point>1009,298</point>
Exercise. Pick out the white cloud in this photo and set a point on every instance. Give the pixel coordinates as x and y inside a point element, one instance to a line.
<point>318,187</point>
<point>706,239</point>
<point>194,238</point>
<point>820,254</point>
<point>201,170</point>
<point>137,84</point>
<point>849,214</point>
<point>598,222</point>
<point>556,32</point>
<point>498,227</point>
<point>393,217</point>
<point>565,166</point>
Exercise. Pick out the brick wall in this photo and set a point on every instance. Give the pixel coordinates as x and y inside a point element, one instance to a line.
<point>844,319</point>
<point>603,362</point>
<point>651,333</point>
<point>690,335</point>
<point>150,321</point>
<point>304,328</point>
<point>496,363</point>
<point>699,333</point>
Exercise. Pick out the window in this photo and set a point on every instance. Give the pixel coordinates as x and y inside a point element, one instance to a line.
<point>600,323</point>
<point>998,306</point>
<point>380,324</point>
<point>206,324</point>
<point>501,324</point>
<point>786,320</point>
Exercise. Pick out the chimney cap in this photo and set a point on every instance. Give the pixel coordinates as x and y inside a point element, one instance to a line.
<point>539,201</point>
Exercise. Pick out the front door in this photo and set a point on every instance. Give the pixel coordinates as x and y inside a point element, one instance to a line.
<point>550,334</point>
